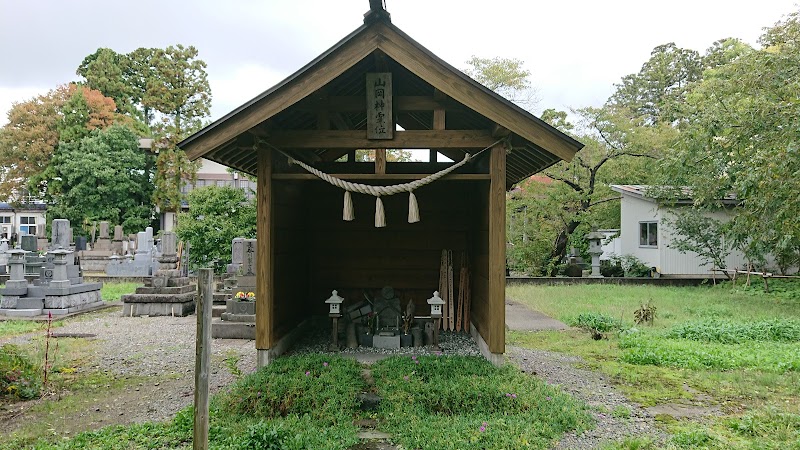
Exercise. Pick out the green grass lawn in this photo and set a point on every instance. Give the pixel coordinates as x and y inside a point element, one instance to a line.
<point>113,291</point>
<point>738,346</point>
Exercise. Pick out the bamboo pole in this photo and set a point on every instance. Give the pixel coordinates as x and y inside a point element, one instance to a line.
<point>205,292</point>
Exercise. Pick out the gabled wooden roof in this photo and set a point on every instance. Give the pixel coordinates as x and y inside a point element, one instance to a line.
<point>331,88</point>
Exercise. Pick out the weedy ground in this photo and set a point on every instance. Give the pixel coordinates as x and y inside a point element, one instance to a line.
<point>730,354</point>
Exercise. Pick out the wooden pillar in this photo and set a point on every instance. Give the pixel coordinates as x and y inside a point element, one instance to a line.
<point>497,251</point>
<point>264,268</point>
<point>380,161</point>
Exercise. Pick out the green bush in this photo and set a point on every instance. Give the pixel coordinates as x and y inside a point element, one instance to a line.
<point>611,269</point>
<point>596,321</point>
<point>19,377</point>
<point>727,332</point>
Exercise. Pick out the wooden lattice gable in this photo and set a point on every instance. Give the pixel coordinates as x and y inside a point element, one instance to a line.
<point>320,111</point>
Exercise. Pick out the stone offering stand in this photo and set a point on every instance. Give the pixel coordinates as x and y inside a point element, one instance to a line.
<point>167,293</point>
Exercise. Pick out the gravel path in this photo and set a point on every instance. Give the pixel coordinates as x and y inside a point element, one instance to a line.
<point>160,349</point>
<point>591,387</point>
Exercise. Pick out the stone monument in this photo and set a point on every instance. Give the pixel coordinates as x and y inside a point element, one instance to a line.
<point>239,319</point>
<point>166,293</point>
<point>57,287</point>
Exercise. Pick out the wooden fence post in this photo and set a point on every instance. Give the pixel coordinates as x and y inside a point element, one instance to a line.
<point>205,291</point>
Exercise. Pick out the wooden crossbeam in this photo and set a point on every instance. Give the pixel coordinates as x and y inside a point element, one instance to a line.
<point>332,139</point>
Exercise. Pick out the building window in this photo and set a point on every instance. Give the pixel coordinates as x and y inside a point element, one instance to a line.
<point>27,225</point>
<point>648,234</point>
<point>5,219</point>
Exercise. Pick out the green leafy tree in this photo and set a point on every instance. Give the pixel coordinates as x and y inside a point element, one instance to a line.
<point>705,236</point>
<point>742,141</point>
<point>506,76</point>
<point>657,91</point>
<point>181,94</point>
<point>104,70</point>
<point>102,177</point>
<point>216,216</point>
<point>35,127</point>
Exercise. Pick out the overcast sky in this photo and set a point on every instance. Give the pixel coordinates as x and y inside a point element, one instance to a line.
<point>575,49</point>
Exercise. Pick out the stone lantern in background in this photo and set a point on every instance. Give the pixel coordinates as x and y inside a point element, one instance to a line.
<point>334,312</point>
<point>595,239</point>
<point>436,303</point>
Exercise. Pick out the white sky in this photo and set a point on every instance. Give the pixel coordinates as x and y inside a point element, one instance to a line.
<point>575,49</point>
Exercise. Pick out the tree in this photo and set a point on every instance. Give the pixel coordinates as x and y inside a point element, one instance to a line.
<point>102,177</point>
<point>181,94</point>
<point>105,71</point>
<point>216,216</point>
<point>617,151</point>
<point>34,128</point>
<point>700,234</point>
<point>505,76</point>
<point>742,142</point>
<point>656,92</point>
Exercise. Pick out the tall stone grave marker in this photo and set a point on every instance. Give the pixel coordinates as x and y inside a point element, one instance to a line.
<point>62,233</point>
<point>103,243</point>
<point>117,247</point>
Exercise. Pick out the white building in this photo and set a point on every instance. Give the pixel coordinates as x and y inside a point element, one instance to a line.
<point>27,218</point>
<point>645,234</point>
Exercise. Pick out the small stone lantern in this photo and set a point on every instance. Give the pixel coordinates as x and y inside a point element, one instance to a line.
<point>60,277</point>
<point>335,303</point>
<point>595,249</point>
<point>16,262</point>
<point>335,311</point>
<point>436,303</point>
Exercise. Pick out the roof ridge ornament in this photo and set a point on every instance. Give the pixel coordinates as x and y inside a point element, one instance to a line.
<point>377,12</point>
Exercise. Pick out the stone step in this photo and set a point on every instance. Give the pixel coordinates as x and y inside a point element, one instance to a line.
<point>157,309</point>
<point>166,290</point>
<point>21,312</point>
<point>232,330</point>
<point>159,298</point>
<point>217,310</point>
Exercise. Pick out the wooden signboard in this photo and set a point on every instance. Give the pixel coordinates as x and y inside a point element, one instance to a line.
<point>380,123</point>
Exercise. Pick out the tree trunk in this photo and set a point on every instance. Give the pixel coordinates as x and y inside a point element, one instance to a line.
<point>560,247</point>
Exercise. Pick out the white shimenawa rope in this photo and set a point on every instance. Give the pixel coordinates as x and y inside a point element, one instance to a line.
<point>378,191</point>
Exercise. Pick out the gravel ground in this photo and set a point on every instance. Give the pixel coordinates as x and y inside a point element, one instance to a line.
<point>163,348</point>
<point>591,387</point>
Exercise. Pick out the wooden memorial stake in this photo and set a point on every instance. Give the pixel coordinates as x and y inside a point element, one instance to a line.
<point>205,293</point>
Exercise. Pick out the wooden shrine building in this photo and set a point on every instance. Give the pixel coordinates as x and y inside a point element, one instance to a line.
<point>379,89</point>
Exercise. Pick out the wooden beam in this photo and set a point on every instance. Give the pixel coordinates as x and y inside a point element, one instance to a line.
<point>325,71</point>
<point>264,248</point>
<point>496,338</point>
<point>380,161</point>
<point>355,103</point>
<point>500,131</point>
<point>459,139</point>
<point>386,176</point>
<point>440,76</point>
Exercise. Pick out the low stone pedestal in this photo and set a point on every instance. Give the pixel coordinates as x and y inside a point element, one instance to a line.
<point>161,297</point>
<point>386,339</point>
<point>237,322</point>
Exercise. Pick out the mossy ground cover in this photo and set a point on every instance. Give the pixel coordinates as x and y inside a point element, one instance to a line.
<point>735,345</point>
